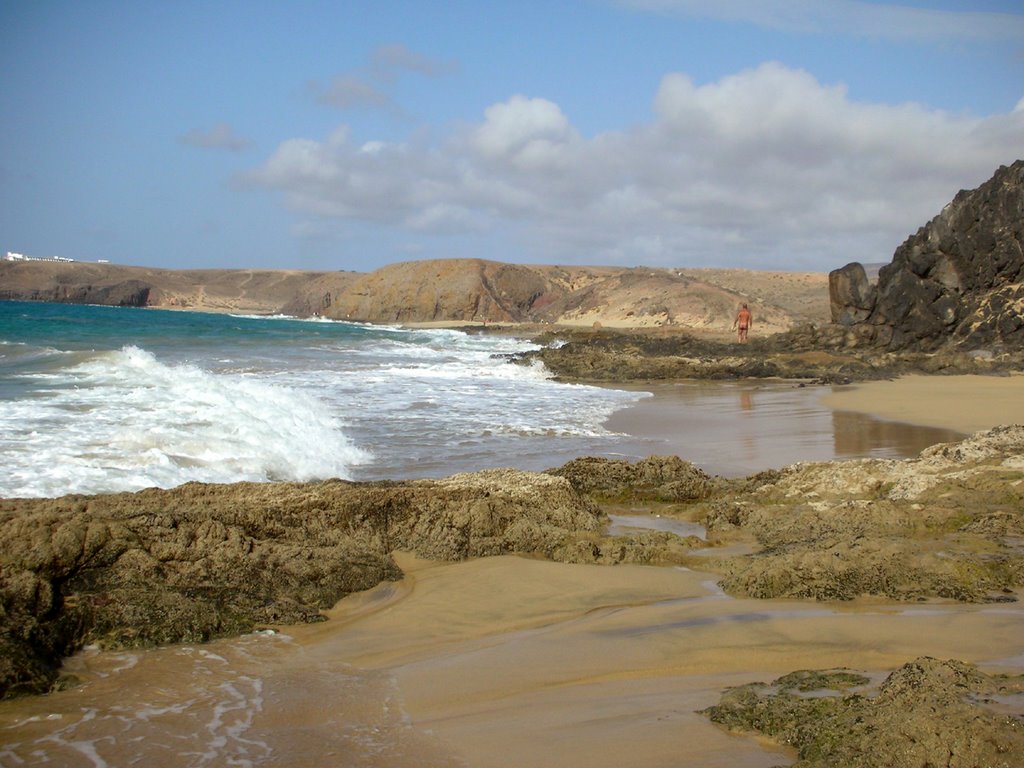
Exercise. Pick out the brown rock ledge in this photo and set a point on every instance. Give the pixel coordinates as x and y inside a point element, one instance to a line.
<point>203,561</point>
<point>926,713</point>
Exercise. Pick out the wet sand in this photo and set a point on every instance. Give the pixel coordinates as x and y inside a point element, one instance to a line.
<point>516,662</point>
<point>490,663</point>
<point>962,403</point>
<point>735,429</point>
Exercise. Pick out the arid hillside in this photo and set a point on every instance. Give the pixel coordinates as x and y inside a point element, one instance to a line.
<point>210,290</point>
<point>457,291</point>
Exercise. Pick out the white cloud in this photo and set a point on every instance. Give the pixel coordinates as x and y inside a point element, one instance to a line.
<point>529,133</point>
<point>850,17</point>
<point>220,136</point>
<point>765,167</point>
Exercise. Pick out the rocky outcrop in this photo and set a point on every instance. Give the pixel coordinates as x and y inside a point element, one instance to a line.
<point>126,293</point>
<point>851,296</point>
<point>829,353</point>
<point>203,561</point>
<point>928,712</point>
<point>942,525</point>
<point>662,478</point>
<point>958,280</point>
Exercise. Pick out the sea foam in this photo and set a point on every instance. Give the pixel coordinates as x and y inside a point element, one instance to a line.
<point>123,421</point>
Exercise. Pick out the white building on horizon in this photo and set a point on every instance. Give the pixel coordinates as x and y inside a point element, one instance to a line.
<point>12,256</point>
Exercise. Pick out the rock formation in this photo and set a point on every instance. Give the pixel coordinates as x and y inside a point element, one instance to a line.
<point>943,525</point>
<point>203,561</point>
<point>825,354</point>
<point>959,280</point>
<point>928,712</point>
<point>851,296</point>
<point>662,478</point>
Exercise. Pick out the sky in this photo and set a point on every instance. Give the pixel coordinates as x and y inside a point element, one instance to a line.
<point>767,134</point>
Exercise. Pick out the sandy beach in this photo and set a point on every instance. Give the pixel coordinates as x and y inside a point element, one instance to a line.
<point>737,428</point>
<point>960,403</point>
<point>495,663</point>
<point>516,662</point>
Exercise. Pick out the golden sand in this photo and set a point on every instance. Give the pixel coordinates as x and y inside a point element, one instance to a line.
<point>514,662</point>
<point>962,403</point>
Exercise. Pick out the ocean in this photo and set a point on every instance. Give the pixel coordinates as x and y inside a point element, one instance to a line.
<point>105,399</point>
<point>102,399</point>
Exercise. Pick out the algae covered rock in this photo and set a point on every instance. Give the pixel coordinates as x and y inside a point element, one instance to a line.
<point>942,525</point>
<point>203,561</point>
<point>665,478</point>
<point>928,712</point>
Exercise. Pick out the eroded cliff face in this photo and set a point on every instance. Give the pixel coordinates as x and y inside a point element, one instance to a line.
<point>959,280</point>
<point>470,290</point>
<point>210,290</point>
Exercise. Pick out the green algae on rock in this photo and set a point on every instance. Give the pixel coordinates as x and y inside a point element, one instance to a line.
<point>926,713</point>
<point>203,561</point>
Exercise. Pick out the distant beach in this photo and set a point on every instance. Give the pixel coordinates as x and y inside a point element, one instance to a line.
<point>741,427</point>
<point>961,403</point>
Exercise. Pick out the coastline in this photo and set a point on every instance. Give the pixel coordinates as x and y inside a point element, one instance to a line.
<point>599,665</point>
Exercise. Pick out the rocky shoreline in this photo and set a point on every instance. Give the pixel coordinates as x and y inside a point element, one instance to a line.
<point>204,561</point>
<point>827,354</point>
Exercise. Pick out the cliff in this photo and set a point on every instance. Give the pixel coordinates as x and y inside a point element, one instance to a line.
<point>959,281</point>
<point>214,290</point>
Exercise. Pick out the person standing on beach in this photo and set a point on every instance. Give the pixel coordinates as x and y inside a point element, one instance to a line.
<point>744,319</point>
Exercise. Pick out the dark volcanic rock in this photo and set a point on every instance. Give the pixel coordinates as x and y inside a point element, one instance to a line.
<point>851,296</point>
<point>826,354</point>
<point>957,280</point>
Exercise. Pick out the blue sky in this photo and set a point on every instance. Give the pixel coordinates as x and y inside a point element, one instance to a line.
<point>797,134</point>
